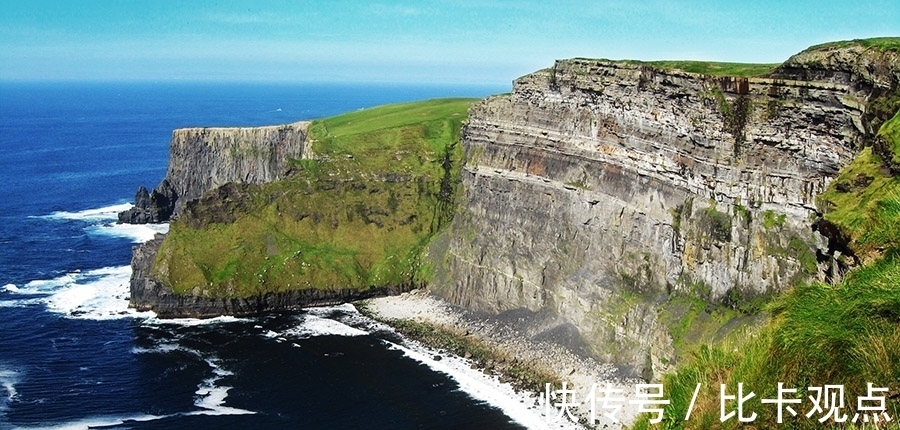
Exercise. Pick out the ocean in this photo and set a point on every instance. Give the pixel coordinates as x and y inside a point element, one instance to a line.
<point>73,356</point>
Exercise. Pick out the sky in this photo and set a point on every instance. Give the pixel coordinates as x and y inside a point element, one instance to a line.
<point>451,41</point>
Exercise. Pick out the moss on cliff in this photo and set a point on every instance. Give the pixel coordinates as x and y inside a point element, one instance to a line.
<point>356,216</point>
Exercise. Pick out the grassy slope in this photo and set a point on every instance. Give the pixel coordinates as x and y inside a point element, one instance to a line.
<point>355,217</point>
<point>880,43</point>
<point>817,334</point>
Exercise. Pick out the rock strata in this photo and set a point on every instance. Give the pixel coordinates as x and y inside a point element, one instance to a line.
<point>598,190</point>
<point>201,159</point>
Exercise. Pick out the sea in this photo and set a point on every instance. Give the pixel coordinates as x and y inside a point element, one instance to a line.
<point>74,356</point>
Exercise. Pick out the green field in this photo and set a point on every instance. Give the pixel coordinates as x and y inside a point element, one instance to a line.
<point>356,215</point>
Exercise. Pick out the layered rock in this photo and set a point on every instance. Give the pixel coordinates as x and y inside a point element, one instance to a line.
<point>598,189</point>
<point>201,159</point>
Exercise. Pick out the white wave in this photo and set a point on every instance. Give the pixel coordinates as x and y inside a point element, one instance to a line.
<point>97,422</point>
<point>108,212</point>
<point>211,398</point>
<point>190,322</point>
<point>12,288</point>
<point>95,294</point>
<point>138,233</point>
<point>158,349</point>
<point>312,326</point>
<point>8,379</point>
<point>520,407</point>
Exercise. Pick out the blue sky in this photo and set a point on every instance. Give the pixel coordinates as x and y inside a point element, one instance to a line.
<point>453,41</point>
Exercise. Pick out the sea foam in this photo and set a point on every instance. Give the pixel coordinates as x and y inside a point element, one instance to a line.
<point>211,397</point>
<point>138,233</point>
<point>94,294</point>
<point>108,212</point>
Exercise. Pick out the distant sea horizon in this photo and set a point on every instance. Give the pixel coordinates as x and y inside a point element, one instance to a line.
<point>74,356</point>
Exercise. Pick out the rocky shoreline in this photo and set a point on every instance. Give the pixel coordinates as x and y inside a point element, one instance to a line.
<point>552,360</point>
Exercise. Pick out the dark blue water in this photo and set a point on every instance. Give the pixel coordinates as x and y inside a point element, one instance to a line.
<point>73,356</point>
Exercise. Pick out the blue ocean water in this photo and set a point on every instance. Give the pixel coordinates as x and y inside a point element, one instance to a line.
<point>73,356</point>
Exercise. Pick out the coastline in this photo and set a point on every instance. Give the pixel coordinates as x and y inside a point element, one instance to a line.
<point>552,361</point>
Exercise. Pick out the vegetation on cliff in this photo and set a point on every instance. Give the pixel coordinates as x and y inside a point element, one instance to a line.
<point>711,67</point>
<point>357,215</point>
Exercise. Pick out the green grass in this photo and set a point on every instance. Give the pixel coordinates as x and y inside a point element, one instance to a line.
<point>890,132</point>
<point>868,215</point>
<point>818,334</point>
<point>357,216</point>
<point>713,68</point>
<point>880,43</point>
<point>771,219</point>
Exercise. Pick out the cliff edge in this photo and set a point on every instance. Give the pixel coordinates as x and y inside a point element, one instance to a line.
<point>201,159</point>
<point>615,200</point>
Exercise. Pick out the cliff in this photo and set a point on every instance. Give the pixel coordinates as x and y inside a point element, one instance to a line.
<point>201,159</point>
<point>626,209</point>
<point>609,196</point>
<point>279,218</point>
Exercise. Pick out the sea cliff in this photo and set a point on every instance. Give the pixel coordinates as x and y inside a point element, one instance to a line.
<point>604,197</point>
<point>625,210</point>
<point>201,159</point>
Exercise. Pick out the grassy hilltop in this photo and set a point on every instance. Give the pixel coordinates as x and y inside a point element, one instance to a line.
<point>356,215</point>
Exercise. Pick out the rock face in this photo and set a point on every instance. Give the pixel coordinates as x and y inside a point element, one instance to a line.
<point>150,207</point>
<point>598,189</point>
<point>201,159</point>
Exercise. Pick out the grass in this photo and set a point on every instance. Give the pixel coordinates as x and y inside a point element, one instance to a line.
<point>890,133</point>
<point>818,334</point>
<point>713,68</point>
<point>356,216</point>
<point>771,219</point>
<point>882,44</point>
<point>869,215</point>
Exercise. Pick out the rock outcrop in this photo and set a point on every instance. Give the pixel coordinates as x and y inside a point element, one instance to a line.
<point>201,159</point>
<point>599,189</point>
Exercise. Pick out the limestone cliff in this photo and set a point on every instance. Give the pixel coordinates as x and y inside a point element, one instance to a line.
<point>201,159</point>
<point>597,190</point>
<point>262,225</point>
